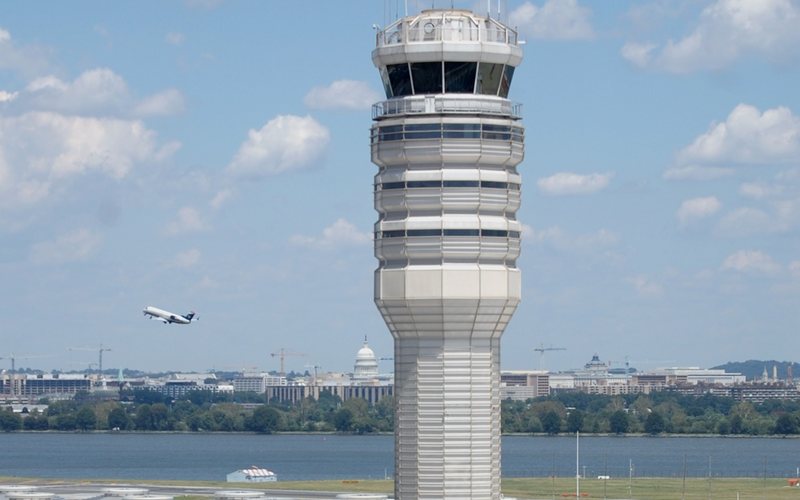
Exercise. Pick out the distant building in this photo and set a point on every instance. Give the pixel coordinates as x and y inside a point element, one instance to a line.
<point>256,382</point>
<point>520,385</point>
<point>52,385</point>
<point>365,382</point>
<point>366,367</point>
<point>180,384</point>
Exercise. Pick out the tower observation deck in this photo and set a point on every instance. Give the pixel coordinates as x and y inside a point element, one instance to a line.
<point>447,142</point>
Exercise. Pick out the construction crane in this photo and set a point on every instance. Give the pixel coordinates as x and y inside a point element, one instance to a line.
<point>541,350</point>
<point>282,354</point>
<point>100,350</point>
<point>315,367</point>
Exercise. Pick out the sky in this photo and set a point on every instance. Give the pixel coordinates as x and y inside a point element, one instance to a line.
<point>213,155</point>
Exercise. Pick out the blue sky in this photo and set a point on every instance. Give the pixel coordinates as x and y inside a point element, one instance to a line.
<point>213,156</point>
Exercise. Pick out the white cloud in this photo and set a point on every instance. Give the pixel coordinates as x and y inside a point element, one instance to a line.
<point>696,173</point>
<point>285,143</point>
<point>7,96</point>
<point>340,233</point>
<point>342,94</point>
<point>561,240</point>
<point>96,90</point>
<point>645,287</point>
<point>187,220</point>
<point>748,136</point>
<point>29,61</point>
<point>99,91</point>
<point>220,198</point>
<point>726,31</point>
<point>175,38</point>
<point>638,53</point>
<point>760,190</point>
<point>40,150</point>
<point>568,183</point>
<point>556,19</point>
<point>187,259</point>
<point>74,246</point>
<point>794,268</point>
<point>698,208</point>
<point>750,261</point>
<point>165,103</point>
<point>747,221</point>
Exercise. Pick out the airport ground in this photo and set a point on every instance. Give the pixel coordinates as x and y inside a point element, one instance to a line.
<point>521,488</point>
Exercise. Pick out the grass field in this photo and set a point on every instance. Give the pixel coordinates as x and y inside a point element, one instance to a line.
<point>523,488</point>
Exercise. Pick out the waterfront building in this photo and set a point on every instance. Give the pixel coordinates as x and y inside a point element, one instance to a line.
<point>447,142</point>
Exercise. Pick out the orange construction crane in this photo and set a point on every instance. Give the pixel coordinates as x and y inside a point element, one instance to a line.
<point>282,354</point>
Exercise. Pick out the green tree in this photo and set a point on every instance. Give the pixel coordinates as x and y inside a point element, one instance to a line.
<point>786,424</point>
<point>343,420</point>
<point>575,421</point>
<point>10,421</point>
<point>66,422</point>
<point>264,419</point>
<point>618,423</point>
<point>118,419</point>
<point>551,422</point>
<point>85,419</point>
<point>159,416</point>
<point>35,421</point>
<point>654,423</point>
<point>143,419</point>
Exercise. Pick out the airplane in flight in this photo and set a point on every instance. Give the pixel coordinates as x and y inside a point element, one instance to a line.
<point>167,317</point>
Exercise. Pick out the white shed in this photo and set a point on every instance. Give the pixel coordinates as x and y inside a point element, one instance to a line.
<point>252,475</point>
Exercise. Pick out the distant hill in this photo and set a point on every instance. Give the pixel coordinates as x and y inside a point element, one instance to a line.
<point>753,368</point>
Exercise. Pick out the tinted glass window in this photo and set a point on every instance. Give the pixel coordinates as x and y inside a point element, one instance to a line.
<point>459,77</point>
<point>494,185</point>
<point>427,77</point>
<point>400,79</point>
<point>460,184</point>
<point>489,76</point>
<point>461,232</point>
<point>505,84</point>
<point>462,131</point>
<point>393,234</point>
<point>387,86</point>
<point>424,131</point>
<point>424,184</point>
<point>496,132</point>
<point>393,185</point>
<point>424,232</point>
<point>391,133</point>
<point>494,233</point>
<point>513,234</point>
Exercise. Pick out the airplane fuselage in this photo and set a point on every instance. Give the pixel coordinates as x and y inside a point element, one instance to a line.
<point>166,316</point>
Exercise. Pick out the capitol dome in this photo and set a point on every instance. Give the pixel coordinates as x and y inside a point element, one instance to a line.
<point>366,366</point>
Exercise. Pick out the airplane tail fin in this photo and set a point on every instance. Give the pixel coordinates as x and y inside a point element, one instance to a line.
<point>189,316</point>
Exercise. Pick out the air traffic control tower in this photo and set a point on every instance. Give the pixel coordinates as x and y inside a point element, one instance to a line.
<point>447,142</point>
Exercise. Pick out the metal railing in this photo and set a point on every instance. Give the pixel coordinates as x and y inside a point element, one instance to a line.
<point>447,104</point>
<point>446,28</point>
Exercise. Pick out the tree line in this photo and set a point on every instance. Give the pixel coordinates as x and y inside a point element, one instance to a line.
<point>204,411</point>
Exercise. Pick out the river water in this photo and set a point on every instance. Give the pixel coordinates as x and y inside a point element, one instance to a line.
<point>313,456</point>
